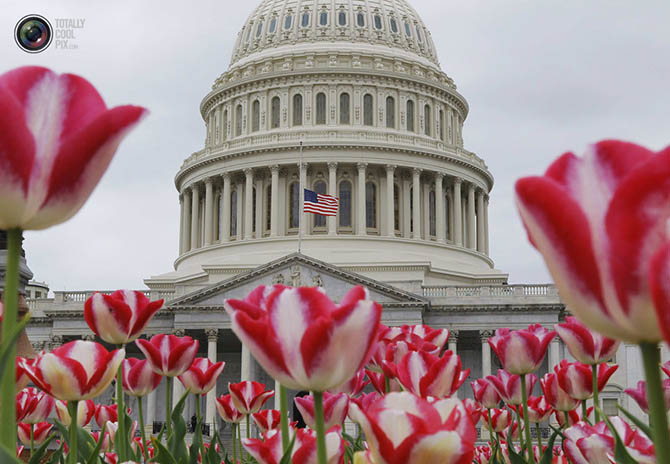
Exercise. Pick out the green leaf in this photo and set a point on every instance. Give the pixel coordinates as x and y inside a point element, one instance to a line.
<point>549,454</point>
<point>163,455</point>
<point>286,459</point>
<point>8,457</point>
<point>4,352</point>
<point>37,456</point>
<point>638,423</point>
<point>514,457</point>
<point>57,455</point>
<point>176,443</point>
<point>96,451</point>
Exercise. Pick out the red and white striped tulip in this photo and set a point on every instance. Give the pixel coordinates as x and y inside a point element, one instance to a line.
<point>105,413</point>
<point>639,394</point>
<point>378,382</point>
<point>57,138</point>
<point>85,412</point>
<point>139,379</point>
<point>364,401</point>
<point>404,428</point>
<point>78,370</point>
<point>267,419</point>
<point>437,337</point>
<point>335,408</point>
<point>538,409</point>
<point>354,386</point>
<point>585,345</point>
<point>25,402</point>
<point>269,449</point>
<point>121,317</point>
<point>474,409</point>
<point>600,222</point>
<point>249,396</point>
<point>41,432</point>
<point>521,351</point>
<point>201,377</point>
<point>227,411</point>
<point>427,375</point>
<point>500,418</point>
<point>41,407</point>
<point>169,355</point>
<point>576,379</point>
<point>509,386</point>
<point>22,379</point>
<point>558,398</point>
<point>302,339</point>
<point>575,416</point>
<point>485,393</point>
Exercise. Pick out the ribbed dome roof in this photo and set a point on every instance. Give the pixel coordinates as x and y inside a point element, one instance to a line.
<point>390,24</point>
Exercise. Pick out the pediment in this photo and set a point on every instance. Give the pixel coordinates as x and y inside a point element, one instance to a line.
<point>296,270</point>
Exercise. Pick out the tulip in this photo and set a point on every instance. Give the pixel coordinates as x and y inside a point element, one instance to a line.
<point>378,382</point>
<point>19,450</point>
<point>335,408</point>
<point>586,346</point>
<point>573,417</point>
<point>169,355</point>
<point>229,413</point>
<point>354,386</point>
<point>403,428</point>
<point>121,317</point>
<point>249,396</point>
<point>25,403</point>
<point>538,409</point>
<point>365,400</point>
<point>521,351</point>
<point>639,394</point>
<point>474,409</point>
<point>269,450</point>
<point>38,435</point>
<point>43,406</point>
<point>576,379</point>
<point>139,379</point>
<point>558,398</point>
<point>78,370</point>
<point>267,419</point>
<point>485,393</point>
<point>437,337</point>
<point>105,413</point>
<point>201,377</point>
<point>427,375</point>
<point>497,419</point>
<point>508,386</point>
<point>22,379</point>
<point>85,412</point>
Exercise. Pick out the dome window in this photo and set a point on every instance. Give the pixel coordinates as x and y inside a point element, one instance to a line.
<point>342,18</point>
<point>259,29</point>
<point>249,32</point>
<point>394,26</point>
<point>323,18</point>
<point>408,30</point>
<point>378,22</point>
<point>304,22</point>
<point>360,20</point>
<point>273,25</point>
<point>288,21</point>
<point>418,34</point>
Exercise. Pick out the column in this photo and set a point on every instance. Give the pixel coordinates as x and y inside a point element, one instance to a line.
<point>471,217</point>
<point>362,227</point>
<point>187,220</point>
<point>486,352</point>
<point>458,214</point>
<point>486,224</point>
<point>276,397</point>
<point>210,410</point>
<point>274,200</point>
<point>332,190</point>
<point>245,369</point>
<point>195,216</point>
<point>390,209</point>
<point>554,356</point>
<point>260,200</point>
<point>181,224</point>
<point>440,228</point>
<point>248,203</point>
<point>481,241</point>
<point>450,216</point>
<point>177,387</point>
<point>238,207</point>
<point>209,209</point>
<point>416,202</point>
<point>405,207</point>
<point>225,233</point>
<point>453,346</point>
<point>151,412</point>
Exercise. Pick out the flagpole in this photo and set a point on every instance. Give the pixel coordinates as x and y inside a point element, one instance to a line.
<point>300,201</point>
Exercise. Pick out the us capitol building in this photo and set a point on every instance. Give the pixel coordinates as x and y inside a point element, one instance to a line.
<point>358,83</point>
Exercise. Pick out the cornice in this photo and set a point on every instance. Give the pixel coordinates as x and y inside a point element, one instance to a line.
<point>506,308</point>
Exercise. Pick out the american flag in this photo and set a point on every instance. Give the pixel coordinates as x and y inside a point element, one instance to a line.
<point>325,205</point>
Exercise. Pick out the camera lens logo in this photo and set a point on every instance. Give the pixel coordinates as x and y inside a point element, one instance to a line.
<point>33,33</point>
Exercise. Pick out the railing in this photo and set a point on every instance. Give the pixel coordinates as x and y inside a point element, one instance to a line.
<point>496,291</point>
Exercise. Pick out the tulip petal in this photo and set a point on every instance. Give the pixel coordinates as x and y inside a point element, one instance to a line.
<point>659,281</point>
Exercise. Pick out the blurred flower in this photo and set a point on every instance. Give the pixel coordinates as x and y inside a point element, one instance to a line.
<point>85,412</point>
<point>500,419</point>
<point>485,393</point>
<point>354,386</point>
<point>267,419</point>
<point>508,386</point>
<point>586,346</point>
<point>577,379</point>
<point>227,411</point>
<point>105,413</point>
<point>41,407</point>
<point>639,394</point>
<point>40,432</point>
<point>558,398</point>
<point>427,375</point>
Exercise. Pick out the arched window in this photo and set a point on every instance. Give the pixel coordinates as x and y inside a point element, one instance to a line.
<point>275,110</point>
<point>418,34</point>
<point>268,207</point>
<point>342,18</point>
<point>441,125</point>
<point>297,110</point>
<point>408,30</point>
<point>378,22</point>
<point>253,209</point>
<point>410,115</point>
<point>288,21</point>
<point>320,187</point>
<point>249,32</point>
<point>259,29</point>
<point>371,205</point>
<point>367,110</point>
<point>360,20</point>
<point>390,112</point>
<point>256,116</point>
<point>446,215</point>
<point>304,22</point>
<point>224,127</point>
<point>396,207</point>
<point>320,108</point>
<point>345,109</point>
<point>394,26</point>
<point>323,18</point>
<point>426,119</point>
<point>345,203</point>
<point>238,120</point>
<point>273,25</point>
<point>431,212</point>
<point>294,206</point>
<point>233,213</point>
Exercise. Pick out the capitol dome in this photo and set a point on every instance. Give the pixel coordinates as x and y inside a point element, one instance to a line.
<point>358,85</point>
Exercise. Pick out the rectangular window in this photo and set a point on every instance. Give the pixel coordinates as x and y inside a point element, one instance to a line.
<point>610,406</point>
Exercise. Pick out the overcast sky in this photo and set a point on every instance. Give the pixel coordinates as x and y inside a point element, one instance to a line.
<point>541,77</point>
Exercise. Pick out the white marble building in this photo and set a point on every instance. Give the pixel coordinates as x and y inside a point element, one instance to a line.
<point>358,83</point>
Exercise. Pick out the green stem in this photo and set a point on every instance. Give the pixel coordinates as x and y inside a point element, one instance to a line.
<point>168,405</point>
<point>495,435</point>
<point>657,411</point>
<point>585,411</point>
<point>121,435</point>
<point>32,438</point>
<point>248,426</point>
<point>596,403</point>
<point>387,384</point>
<point>539,436</point>
<point>8,375</point>
<point>198,426</point>
<point>524,398</point>
<point>234,443</point>
<point>322,457</point>
<point>239,442</point>
<point>567,419</point>
<point>283,406</point>
<point>518,421</point>
<point>72,407</point>
<point>142,433</point>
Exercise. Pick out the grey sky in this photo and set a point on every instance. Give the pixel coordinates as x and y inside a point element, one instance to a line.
<point>541,77</point>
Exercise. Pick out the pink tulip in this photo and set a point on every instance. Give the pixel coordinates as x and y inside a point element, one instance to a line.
<point>265,451</point>
<point>508,386</point>
<point>227,411</point>
<point>169,355</point>
<point>474,409</point>
<point>354,386</point>
<point>574,417</point>
<point>500,419</point>
<point>85,412</point>
<point>521,351</point>
<point>121,317</point>
<point>335,408</point>
<point>485,393</point>
<point>576,379</point>
<point>558,398</point>
<point>538,409</point>
<point>25,402</point>
<point>639,394</point>
<point>301,338</point>
<point>57,138</point>
<point>139,379</point>
<point>40,432</point>
<point>437,337</point>
<point>599,222</point>
<point>269,450</point>
<point>78,370</point>
<point>22,379</point>
<point>427,375</point>
<point>19,450</point>
<point>403,428</point>
<point>249,396</point>
<point>585,345</point>
<point>364,401</point>
<point>659,284</point>
<point>105,413</point>
<point>267,419</point>
<point>41,408</point>
<point>201,377</point>
<point>378,382</point>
